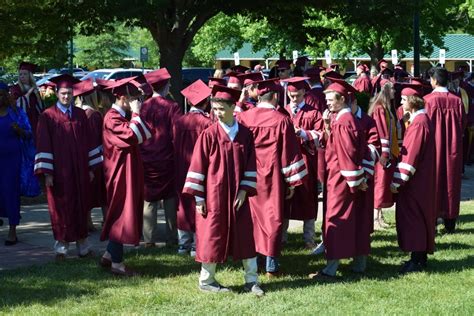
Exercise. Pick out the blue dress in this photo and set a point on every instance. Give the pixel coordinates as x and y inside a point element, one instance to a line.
<point>10,162</point>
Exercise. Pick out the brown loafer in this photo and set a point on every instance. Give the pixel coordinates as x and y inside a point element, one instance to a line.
<point>150,245</point>
<point>60,257</point>
<point>124,273</point>
<point>105,263</point>
<point>273,275</point>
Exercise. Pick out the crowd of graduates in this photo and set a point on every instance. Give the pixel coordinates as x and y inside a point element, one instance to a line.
<point>248,155</point>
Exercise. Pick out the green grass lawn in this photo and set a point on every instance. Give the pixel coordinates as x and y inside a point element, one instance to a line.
<point>169,285</point>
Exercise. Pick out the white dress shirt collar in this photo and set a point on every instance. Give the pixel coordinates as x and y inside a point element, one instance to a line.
<point>412,116</point>
<point>440,89</point>
<point>343,111</point>
<point>231,131</point>
<point>265,105</point>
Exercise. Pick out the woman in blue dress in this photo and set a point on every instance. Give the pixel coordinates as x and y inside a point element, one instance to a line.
<point>14,130</point>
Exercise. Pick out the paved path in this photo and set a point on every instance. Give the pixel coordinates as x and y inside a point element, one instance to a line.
<point>36,240</point>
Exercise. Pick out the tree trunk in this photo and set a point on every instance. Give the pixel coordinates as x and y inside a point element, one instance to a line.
<point>171,57</point>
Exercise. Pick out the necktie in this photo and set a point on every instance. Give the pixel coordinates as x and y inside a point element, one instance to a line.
<point>68,112</point>
<point>295,110</point>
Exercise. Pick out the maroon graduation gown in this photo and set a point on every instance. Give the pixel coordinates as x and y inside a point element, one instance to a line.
<point>157,153</point>
<point>415,179</point>
<point>362,84</point>
<point>279,164</point>
<point>32,106</point>
<point>219,169</point>
<point>304,204</point>
<point>98,195</point>
<point>365,221</point>
<point>186,131</point>
<point>317,99</point>
<point>446,113</point>
<point>123,170</point>
<point>383,176</point>
<point>65,151</point>
<point>344,154</point>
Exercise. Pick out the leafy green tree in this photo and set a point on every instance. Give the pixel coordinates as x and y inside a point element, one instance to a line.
<point>376,27</point>
<point>102,50</point>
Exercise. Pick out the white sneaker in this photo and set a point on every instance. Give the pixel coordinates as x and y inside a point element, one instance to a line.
<point>319,249</point>
<point>192,253</point>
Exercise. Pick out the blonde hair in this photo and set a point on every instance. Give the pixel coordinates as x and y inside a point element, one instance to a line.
<point>32,83</point>
<point>219,73</point>
<point>382,98</point>
<point>88,100</point>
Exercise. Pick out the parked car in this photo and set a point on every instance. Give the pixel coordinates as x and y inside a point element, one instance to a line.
<point>192,74</point>
<point>114,73</point>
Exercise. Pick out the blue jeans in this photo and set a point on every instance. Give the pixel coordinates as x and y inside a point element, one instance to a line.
<point>116,251</point>
<point>272,264</point>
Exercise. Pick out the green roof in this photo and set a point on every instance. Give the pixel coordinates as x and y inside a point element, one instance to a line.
<point>458,46</point>
<point>246,52</point>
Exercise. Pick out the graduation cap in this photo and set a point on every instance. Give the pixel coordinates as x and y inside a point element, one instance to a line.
<point>125,87</point>
<point>314,74</point>
<point>143,84</point>
<point>333,75</point>
<point>283,64</point>
<point>342,87</point>
<point>297,83</point>
<point>266,86</point>
<point>24,65</point>
<point>213,81</point>
<point>225,93</point>
<point>233,77</point>
<point>83,88</point>
<point>47,84</point>
<point>103,83</point>
<point>158,78</point>
<point>196,92</point>
<point>382,64</point>
<point>239,69</point>
<point>250,78</point>
<point>456,75</point>
<point>64,81</point>
<point>363,67</point>
<point>301,61</point>
<point>409,89</point>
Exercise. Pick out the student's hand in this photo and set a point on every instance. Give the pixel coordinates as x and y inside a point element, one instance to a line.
<point>201,208</point>
<point>298,131</point>
<point>244,95</point>
<point>240,199</point>
<point>363,186</point>
<point>136,106</point>
<point>383,160</point>
<point>290,191</point>
<point>327,117</point>
<point>91,176</point>
<point>48,180</point>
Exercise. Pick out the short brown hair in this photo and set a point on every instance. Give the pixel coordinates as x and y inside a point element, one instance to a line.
<point>415,102</point>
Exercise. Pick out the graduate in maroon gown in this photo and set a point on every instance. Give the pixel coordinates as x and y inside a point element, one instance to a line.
<point>160,114</point>
<point>186,130</point>
<point>249,96</point>
<point>308,125</point>
<point>414,181</point>
<point>27,95</point>
<point>371,157</point>
<point>447,115</point>
<point>280,168</point>
<point>123,171</point>
<point>66,156</point>
<point>362,83</point>
<point>345,149</point>
<point>221,176</point>
<point>86,95</point>
<point>388,128</point>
